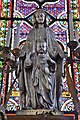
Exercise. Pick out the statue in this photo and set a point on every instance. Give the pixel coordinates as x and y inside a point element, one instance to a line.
<point>40,67</point>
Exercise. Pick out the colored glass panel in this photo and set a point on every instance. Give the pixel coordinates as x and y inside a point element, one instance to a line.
<point>74,7</point>
<point>6,8</point>
<point>4,25</point>
<point>55,8</point>
<point>25,9</point>
<point>60,33</point>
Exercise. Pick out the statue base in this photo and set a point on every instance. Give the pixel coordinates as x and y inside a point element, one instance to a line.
<point>39,115</point>
<point>39,112</point>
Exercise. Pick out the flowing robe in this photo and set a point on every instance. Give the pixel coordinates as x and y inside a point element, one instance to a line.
<point>40,78</point>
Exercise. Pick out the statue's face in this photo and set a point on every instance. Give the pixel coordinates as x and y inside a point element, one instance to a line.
<point>41,47</point>
<point>40,17</point>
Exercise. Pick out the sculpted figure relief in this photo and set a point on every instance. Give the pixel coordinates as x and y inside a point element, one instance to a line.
<point>40,67</point>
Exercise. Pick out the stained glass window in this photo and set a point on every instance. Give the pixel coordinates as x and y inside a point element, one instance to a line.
<point>21,11</point>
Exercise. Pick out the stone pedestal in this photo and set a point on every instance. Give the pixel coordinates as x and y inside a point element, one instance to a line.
<point>39,115</point>
<point>39,112</point>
